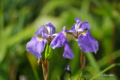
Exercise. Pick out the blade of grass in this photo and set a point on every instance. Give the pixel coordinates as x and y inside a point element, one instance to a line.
<point>31,60</point>
<point>1,17</point>
<point>106,69</point>
<point>94,64</point>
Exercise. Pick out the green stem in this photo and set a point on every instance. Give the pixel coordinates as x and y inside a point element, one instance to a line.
<point>69,76</point>
<point>81,75</point>
<point>82,59</point>
<point>106,69</point>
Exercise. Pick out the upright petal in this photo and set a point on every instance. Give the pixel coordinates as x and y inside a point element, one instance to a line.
<point>58,41</point>
<point>85,25</point>
<point>40,30</point>
<point>73,28</point>
<point>39,47</point>
<point>64,28</point>
<point>68,53</point>
<point>30,44</point>
<point>77,20</point>
<point>51,28</point>
<point>87,43</point>
<point>77,25</point>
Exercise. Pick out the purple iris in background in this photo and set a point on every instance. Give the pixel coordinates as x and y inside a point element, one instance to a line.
<point>81,31</point>
<point>37,44</point>
<point>67,69</point>
<point>61,40</point>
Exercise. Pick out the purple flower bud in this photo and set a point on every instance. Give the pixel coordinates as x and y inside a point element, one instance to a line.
<point>68,69</point>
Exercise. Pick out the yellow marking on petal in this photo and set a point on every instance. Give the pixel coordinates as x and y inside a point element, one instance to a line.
<point>39,38</point>
<point>83,33</point>
<point>64,33</point>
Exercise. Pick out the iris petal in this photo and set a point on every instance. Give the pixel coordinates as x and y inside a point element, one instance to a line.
<point>77,20</point>
<point>85,25</point>
<point>44,35</point>
<point>39,47</point>
<point>36,46</point>
<point>87,43</point>
<point>73,28</point>
<point>30,44</point>
<point>68,53</point>
<point>58,41</point>
<point>40,30</point>
<point>51,28</point>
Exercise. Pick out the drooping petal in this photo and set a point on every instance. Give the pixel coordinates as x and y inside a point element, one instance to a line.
<point>40,30</point>
<point>68,53</point>
<point>77,20</point>
<point>51,28</point>
<point>58,41</point>
<point>39,47</point>
<point>85,25</point>
<point>87,43</point>
<point>30,44</point>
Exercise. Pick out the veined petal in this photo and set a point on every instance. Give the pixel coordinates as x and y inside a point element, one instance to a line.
<point>77,20</point>
<point>68,53</point>
<point>85,25</point>
<point>77,26</point>
<point>39,47</point>
<point>30,44</point>
<point>59,40</point>
<point>40,30</point>
<point>87,43</point>
<point>51,28</point>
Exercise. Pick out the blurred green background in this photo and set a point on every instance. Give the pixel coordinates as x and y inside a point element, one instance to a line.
<point>19,19</point>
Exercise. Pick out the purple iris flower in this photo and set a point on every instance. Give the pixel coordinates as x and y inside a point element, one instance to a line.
<point>37,44</point>
<point>81,31</point>
<point>61,40</point>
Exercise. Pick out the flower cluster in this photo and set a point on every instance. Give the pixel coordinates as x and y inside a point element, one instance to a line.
<point>80,30</point>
